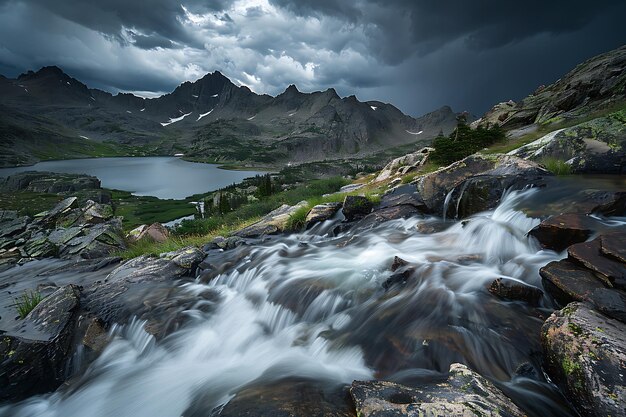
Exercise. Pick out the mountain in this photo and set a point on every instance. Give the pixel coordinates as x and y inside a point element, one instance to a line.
<point>211,119</point>
<point>594,86</point>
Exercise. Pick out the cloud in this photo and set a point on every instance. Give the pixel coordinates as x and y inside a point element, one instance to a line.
<point>418,54</point>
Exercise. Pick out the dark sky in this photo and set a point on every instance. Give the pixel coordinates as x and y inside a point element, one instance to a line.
<point>416,54</point>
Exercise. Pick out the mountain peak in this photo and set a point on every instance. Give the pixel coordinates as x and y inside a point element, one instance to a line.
<point>47,71</point>
<point>292,89</point>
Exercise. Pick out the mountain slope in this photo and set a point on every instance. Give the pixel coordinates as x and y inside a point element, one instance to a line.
<point>210,119</point>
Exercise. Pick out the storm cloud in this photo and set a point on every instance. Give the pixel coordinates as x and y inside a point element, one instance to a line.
<point>416,54</point>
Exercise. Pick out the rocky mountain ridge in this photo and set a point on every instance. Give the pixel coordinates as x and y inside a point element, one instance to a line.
<point>209,119</point>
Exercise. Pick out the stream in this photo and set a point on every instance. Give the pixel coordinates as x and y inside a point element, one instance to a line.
<point>313,306</point>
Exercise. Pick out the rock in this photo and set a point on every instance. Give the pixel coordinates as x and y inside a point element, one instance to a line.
<point>272,223</point>
<point>515,290</point>
<point>398,263</point>
<point>97,241</point>
<point>465,393</point>
<point>585,353</point>
<point>134,234</point>
<point>559,232</point>
<point>125,290</point>
<point>403,195</point>
<point>614,246</point>
<point>95,213</point>
<point>48,182</point>
<point>399,165</point>
<point>589,255</point>
<point>155,232</point>
<point>39,246</point>
<point>479,173</point>
<point>610,204</point>
<point>567,282</point>
<point>34,362</point>
<point>286,398</point>
<point>609,302</point>
<point>356,207</point>
<point>187,258</point>
<point>597,146</point>
<point>14,226</point>
<point>96,337</point>
<point>59,210</point>
<point>321,212</point>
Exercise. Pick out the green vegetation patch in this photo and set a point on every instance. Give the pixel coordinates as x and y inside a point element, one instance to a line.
<point>27,302</point>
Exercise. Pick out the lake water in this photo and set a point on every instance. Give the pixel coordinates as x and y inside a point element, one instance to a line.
<point>163,177</point>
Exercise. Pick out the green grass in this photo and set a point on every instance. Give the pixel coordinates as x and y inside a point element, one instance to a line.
<point>406,179</point>
<point>297,219</point>
<point>27,302</point>
<point>556,166</point>
<point>138,210</point>
<point>28,203</point>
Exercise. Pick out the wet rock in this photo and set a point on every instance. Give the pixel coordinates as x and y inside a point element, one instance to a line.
<point>155,232</point>
<point>585,353</point>
<point>559,232</point>
<point>403,211</point>
<point>321,212</point>
<point>187,258</point>
<point>610,204</point>
<point>589,255</point>
<point>515,290</point>
<point>356,207</point>
<point>567,282</point>
<point>96,337</point>
<point>486,177</point>
<point>614,246</point>
<point>465,393</point>
<point>123,293</point>
<point>609,302</point>
<point>33,356</point>
<point>272,223</point>
<point>398,263</point>
<point>283,399</point>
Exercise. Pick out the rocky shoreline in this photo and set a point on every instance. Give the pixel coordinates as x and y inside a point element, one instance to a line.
<point>584,348</point>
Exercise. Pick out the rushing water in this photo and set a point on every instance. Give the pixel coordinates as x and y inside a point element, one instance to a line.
<point>313,306</point>
<point>163,177</point>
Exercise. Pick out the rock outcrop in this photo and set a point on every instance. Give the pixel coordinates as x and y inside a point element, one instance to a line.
<point>321,212</point>
<point>33,357</point>
<point>274,222</point>
<point>585,352</point>
<point>65,231</point>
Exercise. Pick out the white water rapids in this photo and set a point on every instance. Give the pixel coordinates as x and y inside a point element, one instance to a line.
<point>313,306</point>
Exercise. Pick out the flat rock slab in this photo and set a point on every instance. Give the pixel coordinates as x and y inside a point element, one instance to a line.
<point>614,246</point>
<point>559,232</point>
<point>568,282</point>
<point>589,254</point>
<point>272,223</point>
<point>465,393</point>
<point>585,352</point>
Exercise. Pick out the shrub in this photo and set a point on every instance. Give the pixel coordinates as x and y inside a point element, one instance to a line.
<point>27,302</point>
<point>298,218</point>
<point>463,142</point>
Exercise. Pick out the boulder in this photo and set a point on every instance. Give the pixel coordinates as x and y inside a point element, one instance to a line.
<point>356,207</point>
<point>321,212</point>
<point>515,290</point>
<point>34,355</point>
<point>404,164</point>
<point>477,182</point>
<point>155,232</point>
<point>465,393</point>
<point>272,223</point>
<point>286,398</point>
<point>585,353</point>
<point>559,232</point>
<point>567,282</point>
<point>610,203</point>
<point>95,213</point>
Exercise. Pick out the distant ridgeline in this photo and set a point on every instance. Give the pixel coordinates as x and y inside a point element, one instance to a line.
<point>49,115</point>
